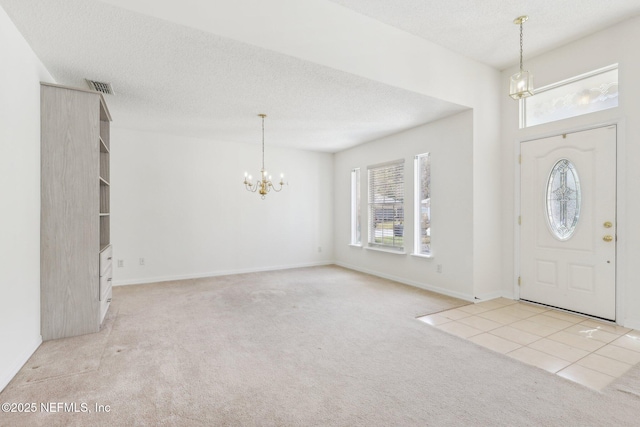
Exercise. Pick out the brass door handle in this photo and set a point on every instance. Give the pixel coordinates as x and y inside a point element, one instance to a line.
<point>607,224</point>
<point>607,238</point>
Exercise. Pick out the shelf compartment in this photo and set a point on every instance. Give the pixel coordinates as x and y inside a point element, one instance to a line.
<point>104,133</point>
<point>103,146</point>
<point>104,164</point>
<point>105,239</point>
<point>105,199</point>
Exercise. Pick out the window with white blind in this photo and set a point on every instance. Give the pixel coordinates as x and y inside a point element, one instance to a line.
<point>422,205</point>
<point>356,238</point>
<point>386,205</point>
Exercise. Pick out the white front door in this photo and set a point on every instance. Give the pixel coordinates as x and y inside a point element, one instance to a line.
<point>568,222</point>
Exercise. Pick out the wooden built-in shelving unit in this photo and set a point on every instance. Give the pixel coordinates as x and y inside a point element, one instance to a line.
<point>76,270</point>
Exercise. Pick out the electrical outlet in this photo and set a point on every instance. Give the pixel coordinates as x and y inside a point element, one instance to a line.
<point>319,248</point>
<point>120,263</point>
<point>141,261</point>
<point>439,268</point>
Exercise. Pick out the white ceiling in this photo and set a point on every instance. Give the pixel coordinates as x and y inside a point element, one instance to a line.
<point>181,80</point>
<point>484,29</point>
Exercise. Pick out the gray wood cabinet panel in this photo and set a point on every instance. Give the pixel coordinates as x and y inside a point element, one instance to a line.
<point>71,204</point>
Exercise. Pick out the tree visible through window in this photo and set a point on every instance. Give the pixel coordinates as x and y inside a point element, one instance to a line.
<point>422,239</point>
<point>386,205</point>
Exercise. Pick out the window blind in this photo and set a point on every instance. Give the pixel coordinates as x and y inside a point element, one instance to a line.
<point>386,205</point>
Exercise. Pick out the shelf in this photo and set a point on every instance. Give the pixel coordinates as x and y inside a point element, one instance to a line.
<point>104,182</point>
<point>103,146</point>
<point>104,214</point>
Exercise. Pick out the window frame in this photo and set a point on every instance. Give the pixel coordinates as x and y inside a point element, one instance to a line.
<point>395,206</point>
<point>356,214</point>
<point>522,105</point>
<point>417,207</point>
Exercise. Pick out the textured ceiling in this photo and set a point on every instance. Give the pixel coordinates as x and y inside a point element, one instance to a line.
<point>180,80</point>
<point>483,29</point>
<point>174,79</point>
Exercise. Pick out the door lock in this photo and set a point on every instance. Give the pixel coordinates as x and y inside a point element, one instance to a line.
<point>607,238</point>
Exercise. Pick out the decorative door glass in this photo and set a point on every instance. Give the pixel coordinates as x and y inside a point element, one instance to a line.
<point>563,199</point>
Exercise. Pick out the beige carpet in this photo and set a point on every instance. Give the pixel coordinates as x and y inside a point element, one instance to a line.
<point>306,347</point>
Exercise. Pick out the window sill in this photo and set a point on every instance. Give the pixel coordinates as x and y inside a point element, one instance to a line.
<point>353,245</point>
<point>389,251</point>
<point>422,255</point>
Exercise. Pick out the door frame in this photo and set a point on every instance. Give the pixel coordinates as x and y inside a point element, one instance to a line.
<point>621,213</point>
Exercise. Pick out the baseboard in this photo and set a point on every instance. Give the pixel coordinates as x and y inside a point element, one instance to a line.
<point>493,295</point>
<point>7,376</point>
<point>420,285</point>
<point>216,273</point>
<point>424,286</point>
<point>632,323</point>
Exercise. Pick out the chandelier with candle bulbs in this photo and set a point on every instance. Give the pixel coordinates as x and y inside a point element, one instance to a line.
<point>264,184</point>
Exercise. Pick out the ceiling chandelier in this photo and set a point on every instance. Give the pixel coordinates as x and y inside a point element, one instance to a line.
<point>521,82</point>
<point>264,185</point>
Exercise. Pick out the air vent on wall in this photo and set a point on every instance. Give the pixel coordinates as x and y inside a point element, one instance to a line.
<point>105,88</point>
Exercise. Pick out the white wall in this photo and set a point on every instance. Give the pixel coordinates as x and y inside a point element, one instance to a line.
<point>20,74</point>
<point>450,142</point>
<point>614,45</point>
<point>180,204</point>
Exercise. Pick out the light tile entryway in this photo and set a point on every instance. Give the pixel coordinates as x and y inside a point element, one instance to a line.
<point>587,351</point>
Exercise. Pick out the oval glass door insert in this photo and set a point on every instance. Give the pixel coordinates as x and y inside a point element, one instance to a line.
<point>563,199</point>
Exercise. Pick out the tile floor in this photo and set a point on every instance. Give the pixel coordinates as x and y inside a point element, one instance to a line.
<point>587,351</point>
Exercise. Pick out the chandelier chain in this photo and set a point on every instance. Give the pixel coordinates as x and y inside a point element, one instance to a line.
<point>263,130</point>
<point>520,46</point>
